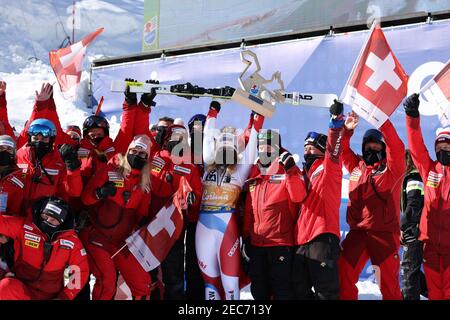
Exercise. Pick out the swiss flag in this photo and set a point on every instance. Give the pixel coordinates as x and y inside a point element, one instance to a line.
<point>437,91</point>
<point>378,83</point>
<point>67,63</point>
<point>151,244</point>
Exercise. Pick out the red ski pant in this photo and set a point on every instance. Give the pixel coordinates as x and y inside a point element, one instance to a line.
<point>14,289</point>
<point>360,246</point>
<point>437,274</point>
<point>105,270</point>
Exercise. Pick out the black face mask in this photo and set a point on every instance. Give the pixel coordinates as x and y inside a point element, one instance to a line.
<point>160,134</point>
<point>309,160</point>
<point>371,156</point>
<point>41,148</point>
<point>48,228</point>
<point>135,161</point>
<point>96,141</point>
<point>172,144</point>
<point>266,158</point>
<point>443,157</point>
<point>6,158</point>
<point>226,156</point>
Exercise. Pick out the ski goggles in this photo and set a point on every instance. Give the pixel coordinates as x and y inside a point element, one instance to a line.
<point>38,129</point>
<point>313,138</point>
<point>96,122</point>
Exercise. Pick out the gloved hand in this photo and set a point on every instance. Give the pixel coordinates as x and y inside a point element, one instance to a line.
<point>147,98</point>
<point>411,105</point>
<point>337,117</point>
<point>409,234</point>
<point>70,157</point>
<point>190,198</point>
<point>214,105</point>
<point>337,108</point>
<point>130,97</point>
<point>246,249</point>
<point>107,190</point>
<point>286,160</point>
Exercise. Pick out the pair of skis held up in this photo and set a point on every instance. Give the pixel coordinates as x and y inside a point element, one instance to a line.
<point>253,92</point>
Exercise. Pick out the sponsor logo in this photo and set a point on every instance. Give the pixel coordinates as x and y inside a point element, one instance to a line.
<point>67,243</point>
<point>32,237</point>
<point>234,248</point>
<point>83,252</point>
<point>181,170</point>
<point>254,89</point>
<point>32,244</point>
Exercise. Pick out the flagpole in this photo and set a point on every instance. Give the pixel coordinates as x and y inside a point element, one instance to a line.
<point>115,254</point>
<point>73,21</point>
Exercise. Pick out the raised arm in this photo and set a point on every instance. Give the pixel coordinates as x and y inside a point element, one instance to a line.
<point>7,129</point>
<point>395,149</point>
<point>209,142</point>
<point>251,151</point>
<point>349,158</point>
<point>419,152</point>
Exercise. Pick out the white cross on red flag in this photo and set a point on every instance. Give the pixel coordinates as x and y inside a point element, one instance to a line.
<point>378,83</point>
<point>151,243</point>
<point>67,63</point>
<point>437,92</point>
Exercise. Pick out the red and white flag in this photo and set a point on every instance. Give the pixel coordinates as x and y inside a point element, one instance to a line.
<point>378,83</point>
<point>151,244</point>
<point>437,92</point>
<point>67,63</point>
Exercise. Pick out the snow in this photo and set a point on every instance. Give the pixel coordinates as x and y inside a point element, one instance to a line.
<point>29,29</point>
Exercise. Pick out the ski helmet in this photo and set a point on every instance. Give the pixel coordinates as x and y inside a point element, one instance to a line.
<point>43,127</point>
<point>95,121</point>
<point>317,140</point>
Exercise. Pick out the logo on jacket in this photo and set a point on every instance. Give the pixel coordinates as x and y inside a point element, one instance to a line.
<point>433,179</point>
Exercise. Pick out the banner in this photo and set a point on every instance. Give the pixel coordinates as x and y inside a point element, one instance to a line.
<point>318,65</point>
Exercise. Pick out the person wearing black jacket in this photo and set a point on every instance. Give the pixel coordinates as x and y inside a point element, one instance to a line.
<point>413,280</point>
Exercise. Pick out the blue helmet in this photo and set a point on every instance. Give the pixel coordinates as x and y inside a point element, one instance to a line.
<point>42,126</point>
<point>197,117</point>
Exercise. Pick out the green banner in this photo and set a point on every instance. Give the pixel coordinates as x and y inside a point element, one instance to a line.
<point>150,34</point>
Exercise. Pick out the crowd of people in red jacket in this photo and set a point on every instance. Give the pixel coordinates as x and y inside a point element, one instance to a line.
<point>69,199</point>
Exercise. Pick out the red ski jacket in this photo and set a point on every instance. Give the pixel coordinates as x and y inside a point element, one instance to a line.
<point>435,220</point>
<point>320,209</point>
<point>272,205</point>
<point>12,187</point>
<point>48,178</point>
<point>374,191</point>
<point>116,217</point>
<point>39,268</point>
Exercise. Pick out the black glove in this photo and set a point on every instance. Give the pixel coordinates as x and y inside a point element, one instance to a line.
<point>411,105</point>
<point>337,108</point>
<point>130,97</point>
<point>410,234</point>
<point>287,160</point>
<point>70,157</point>
<point>214,105</point>
<point>108,189</point>
<point>147,98</point>
<point>190,198</point>
<point>246,250</point>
